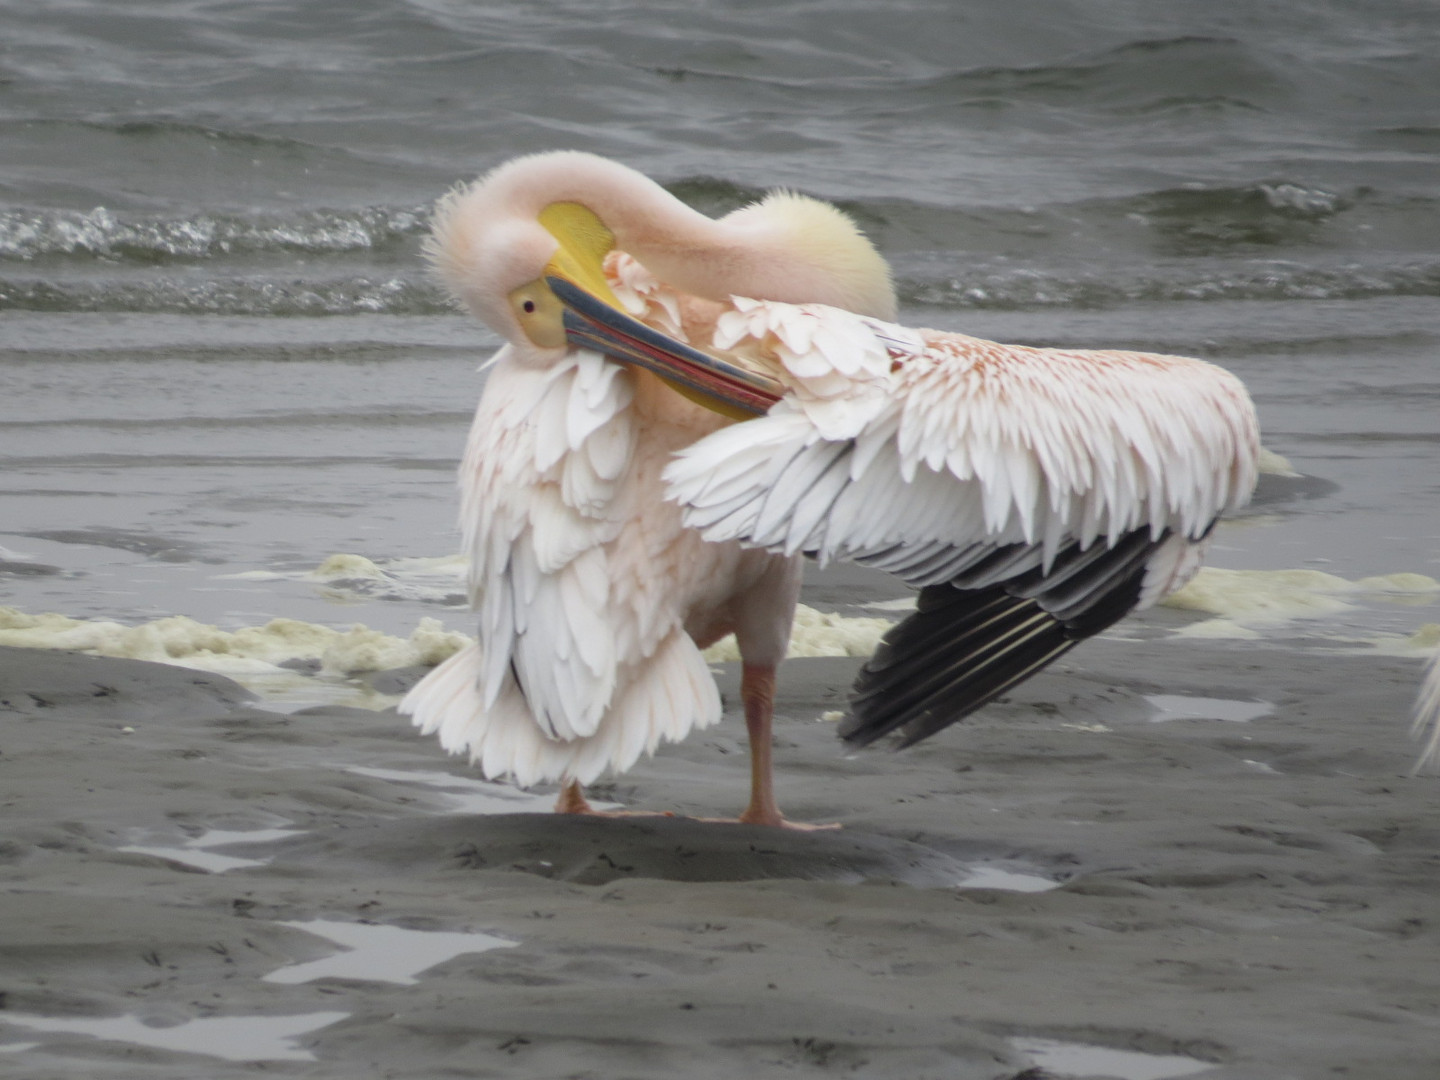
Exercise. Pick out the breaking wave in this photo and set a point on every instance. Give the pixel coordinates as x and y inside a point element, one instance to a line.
<point>1004,288</point>
<point>1275,239</point>
<point>101,234</point>
<point>244,296</point>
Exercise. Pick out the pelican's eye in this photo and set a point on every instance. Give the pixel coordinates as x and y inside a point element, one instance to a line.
<point>539,314</point>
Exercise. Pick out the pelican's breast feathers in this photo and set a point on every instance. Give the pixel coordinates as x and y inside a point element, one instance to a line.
<point>582,663</point>
<point>539,486</point>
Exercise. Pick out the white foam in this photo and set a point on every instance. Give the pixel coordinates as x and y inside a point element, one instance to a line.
<point>251,650</point>
<point>348,574</point>
<point>285,691</point>
<point>346,565</point>
<point>1275,464</point>
<point>1244,600</point>
<point>1422,643</point>
<point>818,633</point>
<point>1242,604</point>
<point>256,652</point>
<point>376,953</point>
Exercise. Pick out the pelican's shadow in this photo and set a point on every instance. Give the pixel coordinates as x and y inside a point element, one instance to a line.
<point>598,850</point>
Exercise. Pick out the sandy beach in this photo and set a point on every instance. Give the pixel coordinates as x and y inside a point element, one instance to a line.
<point>233,401</point>
<point>1200,896</point>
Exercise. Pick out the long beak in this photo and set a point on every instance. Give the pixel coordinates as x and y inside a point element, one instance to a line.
<point>715,383</point>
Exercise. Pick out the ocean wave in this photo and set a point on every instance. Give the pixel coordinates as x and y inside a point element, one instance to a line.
<point>714,195</point>
<point>1129,77</point>
<point>1010,288</point>
<point>1274,238</point>
<point>1279,198</point>
<point>1135,76</point>
<point>994,286</point>
<point>27,235</point>
<point>1269,212</point>
<point>250,296</point>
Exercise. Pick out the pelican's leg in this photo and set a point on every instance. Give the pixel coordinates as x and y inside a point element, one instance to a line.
<point>572,799</point>
<point>757,691</point>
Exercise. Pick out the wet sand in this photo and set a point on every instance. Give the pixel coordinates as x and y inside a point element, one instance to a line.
<point>1259,898</point>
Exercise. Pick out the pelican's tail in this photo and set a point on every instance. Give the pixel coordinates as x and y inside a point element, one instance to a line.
<point>660,699</point>
<point>1427,716</point>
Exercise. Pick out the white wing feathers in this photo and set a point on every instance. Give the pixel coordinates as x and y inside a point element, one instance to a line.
<point>838,364</point>
<point>503,739</point>
<point>538,505</point>
<point>1034,495</point>
<point>893,437</point>
<point>559,683</point>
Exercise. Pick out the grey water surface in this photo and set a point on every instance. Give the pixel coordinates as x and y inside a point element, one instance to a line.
<point>220,352</point>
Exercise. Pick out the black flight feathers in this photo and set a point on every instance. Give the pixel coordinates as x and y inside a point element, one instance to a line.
<point>974,637</point>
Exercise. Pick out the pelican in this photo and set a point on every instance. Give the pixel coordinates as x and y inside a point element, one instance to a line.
<point>616,526</point>
<point>594,598</point>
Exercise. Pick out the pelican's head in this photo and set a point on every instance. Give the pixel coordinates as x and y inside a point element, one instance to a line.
<point>494,247</point>
<point>533,272</point>
<point>524,246</point>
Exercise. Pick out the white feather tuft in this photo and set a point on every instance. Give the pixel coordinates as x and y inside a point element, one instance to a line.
<point>1427,716</point>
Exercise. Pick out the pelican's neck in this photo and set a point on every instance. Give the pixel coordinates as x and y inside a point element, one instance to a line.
<point>642,214</point>
<point>785,248</point>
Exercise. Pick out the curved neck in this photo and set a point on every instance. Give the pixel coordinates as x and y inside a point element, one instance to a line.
<point>645,218</point>
<point>763,251</point>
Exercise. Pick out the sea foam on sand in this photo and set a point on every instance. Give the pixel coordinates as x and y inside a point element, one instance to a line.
<point>178,639</point>
<point>1243,602</point>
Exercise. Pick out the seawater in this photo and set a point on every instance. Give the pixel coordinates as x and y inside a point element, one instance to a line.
<point>222,362</point>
